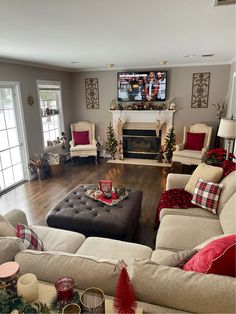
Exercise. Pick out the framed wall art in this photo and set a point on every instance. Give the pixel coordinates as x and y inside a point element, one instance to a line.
<point>92,93</point>
<point>200,90</point>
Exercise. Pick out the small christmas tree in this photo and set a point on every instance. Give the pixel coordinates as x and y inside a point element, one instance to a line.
<point>111,144</point>
<point>124,301</point>
<point>169,145</point>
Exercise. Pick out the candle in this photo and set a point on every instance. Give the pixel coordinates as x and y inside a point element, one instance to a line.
<point>65,288</point>
<point>27,287</point>
<point>8,276</point>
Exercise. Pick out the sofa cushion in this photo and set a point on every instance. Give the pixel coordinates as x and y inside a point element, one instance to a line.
<point>229,188</point>
<point>6,229</point>
<point>185,232</point>
<point>205,172</point>
<point>58,239</point>
<point>159,255</point>
<point>189,291</point>
<point>178,259</point>
<point>115,250</point>
<point>9,247</point>
<point>217,257</point>
<point>206,195</point>
<point>228,216</point>
<point>86,272</point>
<point>191,211</point>
<point>203,244</point>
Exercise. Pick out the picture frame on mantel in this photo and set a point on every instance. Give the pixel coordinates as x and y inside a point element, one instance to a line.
<point>92,93</point>
<point>200,90</point>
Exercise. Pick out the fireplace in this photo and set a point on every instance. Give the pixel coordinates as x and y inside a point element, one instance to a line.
<point>143,144</point>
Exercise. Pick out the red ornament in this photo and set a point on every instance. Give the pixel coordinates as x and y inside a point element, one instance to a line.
<point>124,302</point>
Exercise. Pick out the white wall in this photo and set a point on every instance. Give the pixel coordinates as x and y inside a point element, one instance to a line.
<point>27,77</point>
<point>179,87</point>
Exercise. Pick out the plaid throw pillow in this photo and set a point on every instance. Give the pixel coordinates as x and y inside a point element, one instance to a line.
<point>207,194</point>
<point>29,238</point>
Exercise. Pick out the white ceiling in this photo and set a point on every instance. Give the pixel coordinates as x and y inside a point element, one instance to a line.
<point>128,33</point>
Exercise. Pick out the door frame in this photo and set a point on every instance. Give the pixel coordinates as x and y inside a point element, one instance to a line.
<point>20,121</point>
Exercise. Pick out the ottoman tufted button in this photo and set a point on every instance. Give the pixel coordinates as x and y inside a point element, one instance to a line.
<point>95,214</point>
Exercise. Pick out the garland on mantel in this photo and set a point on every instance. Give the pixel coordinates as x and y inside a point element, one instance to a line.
<point>168,105</point>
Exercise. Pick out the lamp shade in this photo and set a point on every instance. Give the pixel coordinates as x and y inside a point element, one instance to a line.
<point>227,128</point>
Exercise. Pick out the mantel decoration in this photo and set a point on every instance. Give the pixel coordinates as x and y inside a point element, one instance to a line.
<point>200,90</point>
<point>167,105</point>
<point>92,93</point>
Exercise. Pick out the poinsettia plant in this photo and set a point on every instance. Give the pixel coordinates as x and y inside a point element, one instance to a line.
<point>216,156</point>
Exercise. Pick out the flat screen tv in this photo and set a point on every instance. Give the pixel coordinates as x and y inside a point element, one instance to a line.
<point>142,86</point>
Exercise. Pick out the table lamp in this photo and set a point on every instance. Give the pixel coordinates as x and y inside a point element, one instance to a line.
<point>227,130</point>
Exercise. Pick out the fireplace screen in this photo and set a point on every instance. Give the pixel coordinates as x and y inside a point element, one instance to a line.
<point>141,143</point>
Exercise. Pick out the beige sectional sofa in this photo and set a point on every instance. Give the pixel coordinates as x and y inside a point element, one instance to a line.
<point>159,288</point>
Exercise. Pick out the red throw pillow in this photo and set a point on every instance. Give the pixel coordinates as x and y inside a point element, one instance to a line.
<point>194,141</point>
<point>81,137</point>
<point>29,238</point>
<point>217,257</point>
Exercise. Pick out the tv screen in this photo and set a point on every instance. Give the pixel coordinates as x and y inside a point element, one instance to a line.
<point>142,86</point>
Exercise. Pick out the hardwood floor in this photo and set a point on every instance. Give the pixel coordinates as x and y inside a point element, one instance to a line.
<point>35,198</point>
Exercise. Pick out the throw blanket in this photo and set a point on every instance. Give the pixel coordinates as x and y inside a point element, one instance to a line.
<point>174,198</point>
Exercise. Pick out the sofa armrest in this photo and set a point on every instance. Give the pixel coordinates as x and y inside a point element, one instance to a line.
<point>179,146</point>
<point>176,181</point>
<point>16,216</point>
<point>183,290</point>
<point>72,143</point>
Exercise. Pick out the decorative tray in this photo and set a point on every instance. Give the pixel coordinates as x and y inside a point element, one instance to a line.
<point>108,201</point>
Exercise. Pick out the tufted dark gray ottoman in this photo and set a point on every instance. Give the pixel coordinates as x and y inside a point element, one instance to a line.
<point>77,212</point>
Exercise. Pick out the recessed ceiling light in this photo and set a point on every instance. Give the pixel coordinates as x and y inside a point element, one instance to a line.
<point>163,62</point>
<point>190,56</point>
<point>74,62</point>
<point>111,65</point>
<point>205,55</point>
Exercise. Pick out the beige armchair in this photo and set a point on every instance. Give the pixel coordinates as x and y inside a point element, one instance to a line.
<point>84,150</point>
<point>193,157</point>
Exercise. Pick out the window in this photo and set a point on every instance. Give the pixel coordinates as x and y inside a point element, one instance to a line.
<point>51,112</point>
<point>12,140</point>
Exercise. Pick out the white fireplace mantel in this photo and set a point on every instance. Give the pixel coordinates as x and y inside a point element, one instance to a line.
<point>165,117</point>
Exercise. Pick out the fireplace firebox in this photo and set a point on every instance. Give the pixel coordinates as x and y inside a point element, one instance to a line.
<point>143,144</point>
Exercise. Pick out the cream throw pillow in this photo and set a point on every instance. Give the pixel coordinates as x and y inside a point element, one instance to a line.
<point>6,229</point>
<point>205,172</point>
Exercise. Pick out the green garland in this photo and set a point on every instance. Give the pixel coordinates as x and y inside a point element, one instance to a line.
<point>9,303</point>
<point>57,305</point>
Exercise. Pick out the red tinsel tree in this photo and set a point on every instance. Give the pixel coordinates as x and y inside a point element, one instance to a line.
<point>124,301</point>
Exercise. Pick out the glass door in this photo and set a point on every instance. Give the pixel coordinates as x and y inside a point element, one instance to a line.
<point>12,161</point>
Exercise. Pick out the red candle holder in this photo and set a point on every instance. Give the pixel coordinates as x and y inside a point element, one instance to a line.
<point>65,288</point>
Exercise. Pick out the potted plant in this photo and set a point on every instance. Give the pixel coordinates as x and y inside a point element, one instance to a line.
<point>38,165</point>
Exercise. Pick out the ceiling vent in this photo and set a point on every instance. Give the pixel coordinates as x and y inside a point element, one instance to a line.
<point>207,55</point>
<point>218,3</point>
